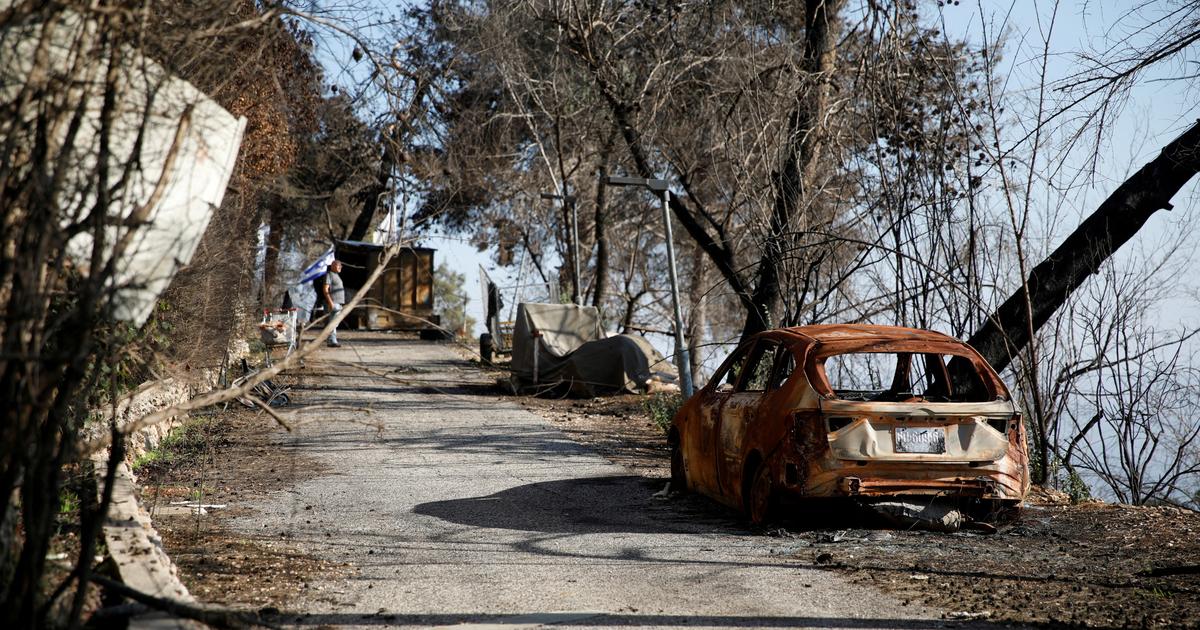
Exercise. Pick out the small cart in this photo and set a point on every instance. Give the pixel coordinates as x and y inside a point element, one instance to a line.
<point>278,329</point>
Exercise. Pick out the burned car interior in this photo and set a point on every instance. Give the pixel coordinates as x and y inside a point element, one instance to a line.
<point>899,377</point>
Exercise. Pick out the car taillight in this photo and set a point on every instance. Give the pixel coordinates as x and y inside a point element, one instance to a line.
<point>1004,425</point>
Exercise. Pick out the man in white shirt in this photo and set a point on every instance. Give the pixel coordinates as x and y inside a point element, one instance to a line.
<point>333,295</point>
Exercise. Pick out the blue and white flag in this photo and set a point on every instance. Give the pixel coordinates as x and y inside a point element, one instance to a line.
<point>318,268</point>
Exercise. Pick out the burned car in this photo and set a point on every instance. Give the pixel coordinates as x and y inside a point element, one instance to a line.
<point>871,412</point>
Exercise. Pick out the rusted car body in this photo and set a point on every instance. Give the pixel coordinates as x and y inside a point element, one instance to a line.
<point>874,412</point>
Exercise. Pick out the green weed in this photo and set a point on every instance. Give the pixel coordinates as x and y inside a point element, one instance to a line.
<point>1156,593</point>
<point>661,408</point>
<point>190,437</point>
<point>68,502</point>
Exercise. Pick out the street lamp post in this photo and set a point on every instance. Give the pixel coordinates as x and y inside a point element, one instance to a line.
<point>682,360</point>
<point>573,233</point>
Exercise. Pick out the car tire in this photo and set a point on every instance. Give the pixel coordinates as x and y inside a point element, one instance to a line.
<point>678,472</point>
<point>487,348</point>
<point>759,499</point>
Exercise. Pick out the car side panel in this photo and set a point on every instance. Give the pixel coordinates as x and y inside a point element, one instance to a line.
<point>699,441</point>
<point>738,415</point>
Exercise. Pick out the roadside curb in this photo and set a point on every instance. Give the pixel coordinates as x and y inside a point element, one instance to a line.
<point>138,552</point>
<point>133,543</point>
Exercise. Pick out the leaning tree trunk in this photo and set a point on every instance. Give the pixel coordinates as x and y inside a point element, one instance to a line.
<point>697,320</point>
<point>1007,331</point>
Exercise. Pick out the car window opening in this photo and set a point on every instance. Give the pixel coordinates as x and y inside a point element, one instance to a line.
<point>757,368</point>
<point>902,377</point>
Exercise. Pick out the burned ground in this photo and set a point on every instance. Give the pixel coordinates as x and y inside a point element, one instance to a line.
<point>1089,565</point>
<point>1092,565</point>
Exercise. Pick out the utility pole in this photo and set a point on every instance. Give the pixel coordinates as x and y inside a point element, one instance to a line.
<point>682,360</point>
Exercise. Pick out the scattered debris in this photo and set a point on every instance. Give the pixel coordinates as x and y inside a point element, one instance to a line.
<point>199,508</point>
<point>968,616</point>
<point>931,515</point>
<point>410,369</point>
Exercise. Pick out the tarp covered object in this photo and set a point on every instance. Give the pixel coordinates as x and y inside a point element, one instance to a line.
<point>621,363</point>
<point>564,327</point>
<point>573,350</point>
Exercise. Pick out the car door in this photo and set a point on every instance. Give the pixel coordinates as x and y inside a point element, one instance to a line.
<point>739,411</point>
<point>700,439</point>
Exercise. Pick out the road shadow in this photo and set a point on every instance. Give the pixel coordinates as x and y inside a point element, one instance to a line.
<point>615,504</point>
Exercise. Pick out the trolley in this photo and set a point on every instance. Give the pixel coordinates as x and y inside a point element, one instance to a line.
<point>279,329</point>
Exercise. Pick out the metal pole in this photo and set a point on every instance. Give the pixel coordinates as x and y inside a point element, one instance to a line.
<point>567,199</point>
<point>682,361</point>
<point>537,350</point>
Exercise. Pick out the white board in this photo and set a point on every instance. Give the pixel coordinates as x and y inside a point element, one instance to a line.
<point>176,176</point>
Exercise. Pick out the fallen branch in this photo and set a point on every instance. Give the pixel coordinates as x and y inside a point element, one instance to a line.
<point>1186,569</point>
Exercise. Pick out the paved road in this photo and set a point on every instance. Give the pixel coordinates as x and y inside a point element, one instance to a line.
<point>459,508</point>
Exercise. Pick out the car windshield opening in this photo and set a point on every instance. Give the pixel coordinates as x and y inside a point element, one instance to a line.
<point>902,377</point>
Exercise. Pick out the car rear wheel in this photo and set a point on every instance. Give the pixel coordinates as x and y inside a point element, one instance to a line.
<point>678,474</point>
<point>758,500</point>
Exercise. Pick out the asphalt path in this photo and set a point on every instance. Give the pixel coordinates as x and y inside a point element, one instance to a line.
<point>453,506</point>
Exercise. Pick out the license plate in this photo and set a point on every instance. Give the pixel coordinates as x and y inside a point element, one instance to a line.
<point>920,440</point>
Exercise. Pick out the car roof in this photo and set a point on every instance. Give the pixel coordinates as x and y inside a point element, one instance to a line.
<point>819,334</point>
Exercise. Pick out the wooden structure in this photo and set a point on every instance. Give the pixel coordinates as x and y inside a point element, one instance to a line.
<point>402,298</point>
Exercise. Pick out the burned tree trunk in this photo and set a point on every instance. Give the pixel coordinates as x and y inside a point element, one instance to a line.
<point>275,223</point>
<point>1008,330</point>
<point>600,217</point>
<point>370,196</point>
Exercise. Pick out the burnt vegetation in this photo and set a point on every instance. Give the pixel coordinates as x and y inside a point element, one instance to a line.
<point>78,101</point>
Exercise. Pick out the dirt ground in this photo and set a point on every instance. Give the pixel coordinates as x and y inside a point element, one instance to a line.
<point>1088,565</point>
<point>223,459</point>
<point>1091,565</point>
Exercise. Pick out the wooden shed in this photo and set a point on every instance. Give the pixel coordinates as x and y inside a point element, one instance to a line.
<point>402,298</point>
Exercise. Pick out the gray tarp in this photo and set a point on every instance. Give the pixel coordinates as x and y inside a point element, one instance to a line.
<point>574,350</point>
